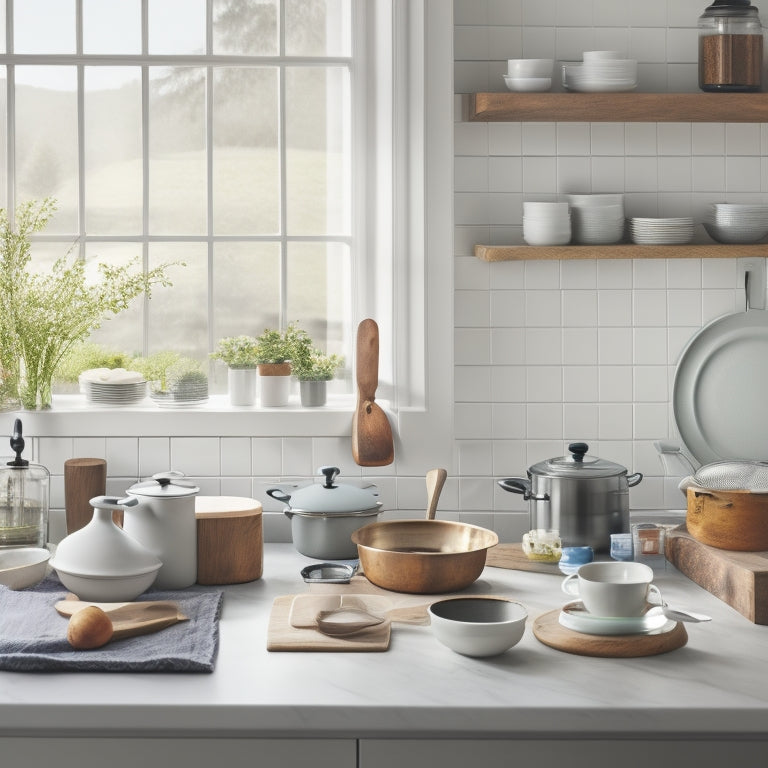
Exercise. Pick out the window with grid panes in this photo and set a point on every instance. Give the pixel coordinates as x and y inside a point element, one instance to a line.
<point>217,133</point>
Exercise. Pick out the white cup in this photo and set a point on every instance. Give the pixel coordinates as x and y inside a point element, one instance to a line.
<point>613,588</point>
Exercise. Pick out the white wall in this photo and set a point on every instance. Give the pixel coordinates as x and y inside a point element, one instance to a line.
<point>550,352</point>
<point>545,352</point>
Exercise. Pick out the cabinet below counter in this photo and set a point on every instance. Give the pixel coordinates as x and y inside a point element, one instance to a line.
<point>416,704</point>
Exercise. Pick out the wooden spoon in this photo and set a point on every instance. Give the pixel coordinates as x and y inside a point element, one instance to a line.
<point>130,619</point>
<point>349,621</point>
<point>372,443</point>
<point>435,482</point>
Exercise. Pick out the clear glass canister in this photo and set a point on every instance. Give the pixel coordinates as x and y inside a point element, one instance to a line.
<point>24,499</point>
<point>730,47</point>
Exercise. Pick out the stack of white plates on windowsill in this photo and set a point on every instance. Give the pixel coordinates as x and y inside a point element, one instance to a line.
<point>734,223</point>
<point>600,71</point>
<point>112,386</point>
<point>546,223</point>
<point>668,231</point>
<point>597,219</point>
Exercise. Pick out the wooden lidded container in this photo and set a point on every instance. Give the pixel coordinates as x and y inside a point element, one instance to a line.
<point>734,520</point>
<point>230,539</point>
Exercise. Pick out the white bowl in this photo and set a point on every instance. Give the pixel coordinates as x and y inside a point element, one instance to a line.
<point>478,626</point>
<point>23,567</point>
<point>528,83</point>
<point>108,589</point>
<point>530,67</point>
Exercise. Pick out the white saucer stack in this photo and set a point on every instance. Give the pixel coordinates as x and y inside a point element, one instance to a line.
<point>668,231</point>
<point>597,219</point>
<point>600,71</point>
<point>734,223</point>
<point>546,223</point>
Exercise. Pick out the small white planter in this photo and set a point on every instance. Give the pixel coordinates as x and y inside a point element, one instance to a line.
<point>241,384</point>
<point>274,385</point>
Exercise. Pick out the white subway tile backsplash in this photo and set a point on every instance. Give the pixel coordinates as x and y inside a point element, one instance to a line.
<point>579,308</point>
<point>473,421</point>
<point>614,273</point>
<point>742,138</point>
<point>471,309</point>
<point>580,384</point>
<point>640,139</point>
<point>614,346</point>
<point>504,139</point>
<point>507,12</point>
<point>573,138</point>
<point>649,273</point>
<point>539,139</point>
<point>470,139</point>
<point>607,139</point>
<point>539,13</point>
<point>472,383</point>
<point>707,174</point>
<point>196,456</point>
<point>505,174</point>
<point>608,174</point>
<point>470,174</point>
<point>507,346</point>
<point>650,384</point>
<point>650,308</point>
<point>470,42</point>
<point>544,421</point>
<point>541,274</point>
<point>650,346</point>
<point>542,308</point>
<point>580,346</point>
<point>573,175</point>
<point>674,138</point>
<point>236,456</point>
<point>123,458</point>
<point>614,308</point>
<point>543,346</point>
<point>615,382</point>
<point>648,44</point>
<point>471,346</point>
<point>674,175</point>
<point>544,384</point>
<point>507,309</point>
<point>508,421</point>
<point>684,307</point>
<point>742,174</point>
<point>615,421</point>
<point>580,422</point>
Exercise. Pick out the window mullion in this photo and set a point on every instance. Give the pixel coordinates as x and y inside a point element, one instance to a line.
<point>282,149</point>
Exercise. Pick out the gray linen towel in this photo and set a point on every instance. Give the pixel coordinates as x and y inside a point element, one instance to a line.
<point>33,636</point>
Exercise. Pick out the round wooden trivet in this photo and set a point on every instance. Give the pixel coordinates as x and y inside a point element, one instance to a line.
<point>549,631</point>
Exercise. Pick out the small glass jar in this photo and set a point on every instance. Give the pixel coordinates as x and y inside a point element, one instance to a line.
<point>730,47</point>
<point>24,499</point>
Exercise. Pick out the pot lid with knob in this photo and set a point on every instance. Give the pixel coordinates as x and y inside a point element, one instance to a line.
<point>168,484</point>
<point>577,465</point>
<point>328,497</point>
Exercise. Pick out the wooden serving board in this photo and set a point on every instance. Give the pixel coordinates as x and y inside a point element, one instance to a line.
<point>548,630</point>
<point>739,579</point>
<point>281,636</point>
<point>511,556</point>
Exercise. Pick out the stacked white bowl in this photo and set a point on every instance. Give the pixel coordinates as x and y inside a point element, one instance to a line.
<point>546,223</point>
<point>597,219</point>
<point>734,223</point>
<point>529,74</point>
<point>661,231</point>
<point>600,71</point>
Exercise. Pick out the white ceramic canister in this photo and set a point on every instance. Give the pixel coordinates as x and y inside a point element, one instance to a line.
<point>164,522</point>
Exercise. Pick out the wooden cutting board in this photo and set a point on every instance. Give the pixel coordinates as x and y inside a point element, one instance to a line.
<point>739,579</point>
<point>511,556</point>
<point>281,636</point>
<point>548,630</point>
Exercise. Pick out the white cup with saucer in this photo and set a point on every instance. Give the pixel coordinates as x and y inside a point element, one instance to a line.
<point>613,588</point>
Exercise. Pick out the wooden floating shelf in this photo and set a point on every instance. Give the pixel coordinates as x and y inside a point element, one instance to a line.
<point>619,107</point>
<point>621,251</point>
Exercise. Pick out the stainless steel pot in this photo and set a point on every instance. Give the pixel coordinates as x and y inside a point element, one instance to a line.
<point>324,516</point>
<point>585,498</point>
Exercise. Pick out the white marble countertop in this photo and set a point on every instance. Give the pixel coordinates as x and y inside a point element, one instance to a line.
<point>715,686</point>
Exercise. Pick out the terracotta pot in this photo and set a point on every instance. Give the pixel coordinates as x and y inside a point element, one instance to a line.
<point>734,520</point>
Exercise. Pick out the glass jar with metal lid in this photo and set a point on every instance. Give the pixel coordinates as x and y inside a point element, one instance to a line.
<point>730,47</point>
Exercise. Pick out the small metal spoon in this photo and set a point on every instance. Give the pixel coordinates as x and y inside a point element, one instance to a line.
<point>678,614</point>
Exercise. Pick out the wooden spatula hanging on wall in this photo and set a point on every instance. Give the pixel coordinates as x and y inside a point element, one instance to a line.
<point>372,444</point>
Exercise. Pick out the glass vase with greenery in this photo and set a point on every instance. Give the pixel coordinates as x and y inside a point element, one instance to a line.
<point>43,315</point>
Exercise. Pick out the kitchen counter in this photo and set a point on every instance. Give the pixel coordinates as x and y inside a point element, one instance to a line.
<point>715,688</point>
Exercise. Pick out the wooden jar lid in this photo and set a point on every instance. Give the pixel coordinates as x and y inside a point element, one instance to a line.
<point>230,539</point>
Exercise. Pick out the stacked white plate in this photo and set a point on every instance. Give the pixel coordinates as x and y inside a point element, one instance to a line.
<point>546,223</point>
<point>597,219</point>
<point>600,71</point>
<point>669,231</point>
<point>113,386</point>
<point>734,223</point>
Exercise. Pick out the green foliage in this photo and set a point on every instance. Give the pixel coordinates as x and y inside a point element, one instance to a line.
<point>42,316</point>
<point>85,356</point>
<point>318,366</point>
<point>164,369</point>
<point>237,351</point>
<point>281,346</point>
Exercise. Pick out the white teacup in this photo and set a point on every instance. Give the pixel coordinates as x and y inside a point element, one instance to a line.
<point>613,588</point>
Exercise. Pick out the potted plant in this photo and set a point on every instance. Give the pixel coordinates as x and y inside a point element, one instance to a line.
<point>239,353</point>
<point>274,353</point>
<point>314,370</point>
<point>42,316</point>
<point>173,379</point>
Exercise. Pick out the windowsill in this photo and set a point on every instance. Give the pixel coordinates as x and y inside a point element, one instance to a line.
<point>72,416</point>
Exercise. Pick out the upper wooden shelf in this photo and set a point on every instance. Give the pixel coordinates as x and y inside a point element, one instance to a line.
<point>619,107</point>
<point>619,251</point>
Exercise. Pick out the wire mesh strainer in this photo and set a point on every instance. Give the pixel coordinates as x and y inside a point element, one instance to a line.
<point>730,476</point>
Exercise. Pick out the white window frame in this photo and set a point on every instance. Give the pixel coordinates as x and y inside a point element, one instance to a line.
<point>406,283</point>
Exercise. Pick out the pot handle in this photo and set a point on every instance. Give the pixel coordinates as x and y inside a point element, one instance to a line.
<point>279,494</point>
<point>633,480</point>
<point>517,485</point>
